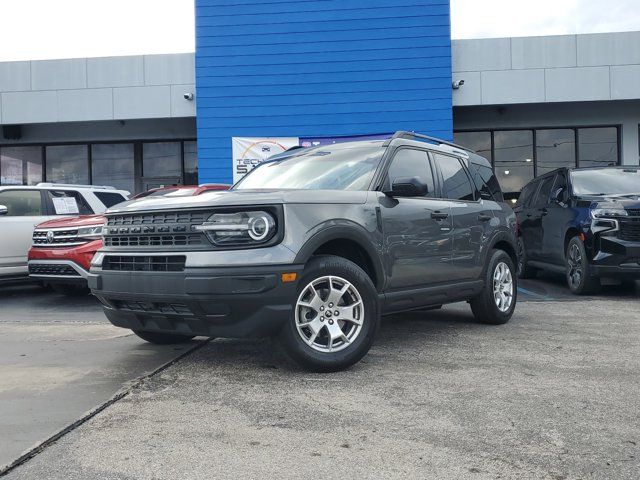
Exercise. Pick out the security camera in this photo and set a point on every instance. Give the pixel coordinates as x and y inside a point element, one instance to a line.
<point>457,84</point>
<point>188,96</point>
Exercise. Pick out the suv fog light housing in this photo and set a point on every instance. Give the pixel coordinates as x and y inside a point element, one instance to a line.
<point>239,228</point>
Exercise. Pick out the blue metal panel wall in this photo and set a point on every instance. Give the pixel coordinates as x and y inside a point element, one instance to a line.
<point>318,68</point>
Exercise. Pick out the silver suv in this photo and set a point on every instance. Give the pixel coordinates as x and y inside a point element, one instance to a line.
<point>22,208</point>
<point>312,247</point>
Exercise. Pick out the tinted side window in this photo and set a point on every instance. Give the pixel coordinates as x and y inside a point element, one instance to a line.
<point>486,182</point>
<point>545,191</point>
<point>22,203</point>
<point>526,194</point>
<point>412,163</point>
<point>456,184</point>
<point>68,203</point>
<point>109,199</point>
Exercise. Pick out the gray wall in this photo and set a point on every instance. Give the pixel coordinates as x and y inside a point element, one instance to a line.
<point>91,89</point>
<point>568,68</point>
<point>626,114</point>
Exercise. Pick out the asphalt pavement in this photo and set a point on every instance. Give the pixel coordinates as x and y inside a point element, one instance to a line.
<point>552,394</point>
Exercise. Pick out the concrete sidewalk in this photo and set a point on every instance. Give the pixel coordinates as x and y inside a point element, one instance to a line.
<point>553,394</point>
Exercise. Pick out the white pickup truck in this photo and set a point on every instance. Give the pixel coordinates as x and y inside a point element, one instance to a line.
<point>24,207</point>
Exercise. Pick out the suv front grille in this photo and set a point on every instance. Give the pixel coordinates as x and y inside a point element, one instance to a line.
<point>633,212</point>
<point>57,238</point>
<point>157,218</point>
<point>58,270</point>
<point>630,229</point>
<point>144,263</point>
<point>153,241</point>
<point>169,229</point>
<point>152,307</point>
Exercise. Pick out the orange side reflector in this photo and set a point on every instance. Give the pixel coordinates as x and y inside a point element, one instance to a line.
<point>581,236</point>
<point>289,277</point>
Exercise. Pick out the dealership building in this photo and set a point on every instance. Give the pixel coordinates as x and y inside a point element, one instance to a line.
<point>320,70</point>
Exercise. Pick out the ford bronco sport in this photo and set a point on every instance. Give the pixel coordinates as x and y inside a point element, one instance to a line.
<point>312,247</point>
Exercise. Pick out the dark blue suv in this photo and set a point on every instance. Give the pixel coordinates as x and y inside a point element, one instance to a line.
<point>584,222</point>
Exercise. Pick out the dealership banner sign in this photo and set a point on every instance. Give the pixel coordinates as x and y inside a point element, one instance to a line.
<point>251,152</point>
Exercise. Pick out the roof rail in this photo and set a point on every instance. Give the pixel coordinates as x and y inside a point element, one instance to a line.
<point>437,141</point>
<point>75,185</point>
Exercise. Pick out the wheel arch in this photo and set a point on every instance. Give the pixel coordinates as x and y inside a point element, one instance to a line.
<point>350,242</point>
<point>505,242</point>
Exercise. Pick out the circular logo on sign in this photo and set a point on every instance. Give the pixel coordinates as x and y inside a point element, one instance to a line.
<point>50,236</point>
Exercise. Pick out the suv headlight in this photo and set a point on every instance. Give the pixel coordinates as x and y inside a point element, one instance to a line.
<point>608,212</point>
<point>93,231</point>
<point>239,228</point>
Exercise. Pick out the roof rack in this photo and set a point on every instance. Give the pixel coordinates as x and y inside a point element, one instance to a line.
<point>434,140</point>
<point>75,185</point>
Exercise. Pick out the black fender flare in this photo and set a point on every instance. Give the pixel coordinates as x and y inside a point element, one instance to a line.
<point>352,232</point>
<point>502,236</point>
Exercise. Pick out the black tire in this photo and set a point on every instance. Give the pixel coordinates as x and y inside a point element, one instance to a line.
<point>70,290</point>
<point>484,307</point>
<point>579,276</point>
<point>524,271</point>
<point>317,358</point>
<point>159,338</point>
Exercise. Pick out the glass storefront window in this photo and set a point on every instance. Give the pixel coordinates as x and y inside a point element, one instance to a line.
<point>480,142</point>
<point>68,164</point>
<point>513,160</point>
<point>555,148</point>
<point>113,165</point>
<point>20,165</point>
<point>161,160</point>
<point>597,147</point>
<point>190,163</point>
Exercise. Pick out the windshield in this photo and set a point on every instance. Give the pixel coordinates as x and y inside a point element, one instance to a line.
<point>346,166</point>
<point>606,181</point>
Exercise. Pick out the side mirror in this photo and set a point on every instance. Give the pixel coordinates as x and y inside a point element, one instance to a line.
<point>3,210</point>
<point>408,187</point>
<point>560,195</point>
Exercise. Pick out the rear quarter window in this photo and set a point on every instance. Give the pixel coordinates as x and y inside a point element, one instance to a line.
<point>109,199</point>
<point>486,182</point>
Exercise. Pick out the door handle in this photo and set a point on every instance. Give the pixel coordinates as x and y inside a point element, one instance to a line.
<point>544,211</point>
<point>484,218</point>
<point>439,215</point>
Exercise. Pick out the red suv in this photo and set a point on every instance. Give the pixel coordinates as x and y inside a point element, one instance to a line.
<point>63,248</point>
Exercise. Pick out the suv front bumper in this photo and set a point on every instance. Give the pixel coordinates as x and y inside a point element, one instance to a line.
<point>231,302</point>
<point>616,258</point>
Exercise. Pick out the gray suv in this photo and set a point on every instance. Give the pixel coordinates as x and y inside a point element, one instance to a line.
<point>312,247</point>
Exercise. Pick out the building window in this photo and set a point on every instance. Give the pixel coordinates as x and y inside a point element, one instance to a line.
<point>20,165</point>
<point>113,164</point>
<point>162,160</point>
<point>479,142</point>
<point>512,151</point>
<point>513,160</point>
<point>67,164</point>
<point>598,147</point>
<point>190,163</point>
<point>555,148</point>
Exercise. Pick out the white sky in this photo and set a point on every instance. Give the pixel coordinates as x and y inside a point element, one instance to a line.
<point>37,29</point>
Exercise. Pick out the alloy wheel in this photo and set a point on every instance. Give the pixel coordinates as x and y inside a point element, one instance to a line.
<point>574,260</point>
<point>329,314</point>
<point>503,287</point>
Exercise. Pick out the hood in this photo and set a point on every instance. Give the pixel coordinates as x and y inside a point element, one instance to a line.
<point>627,201</point>
<point>242,197</point>
<point>81,221</point>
